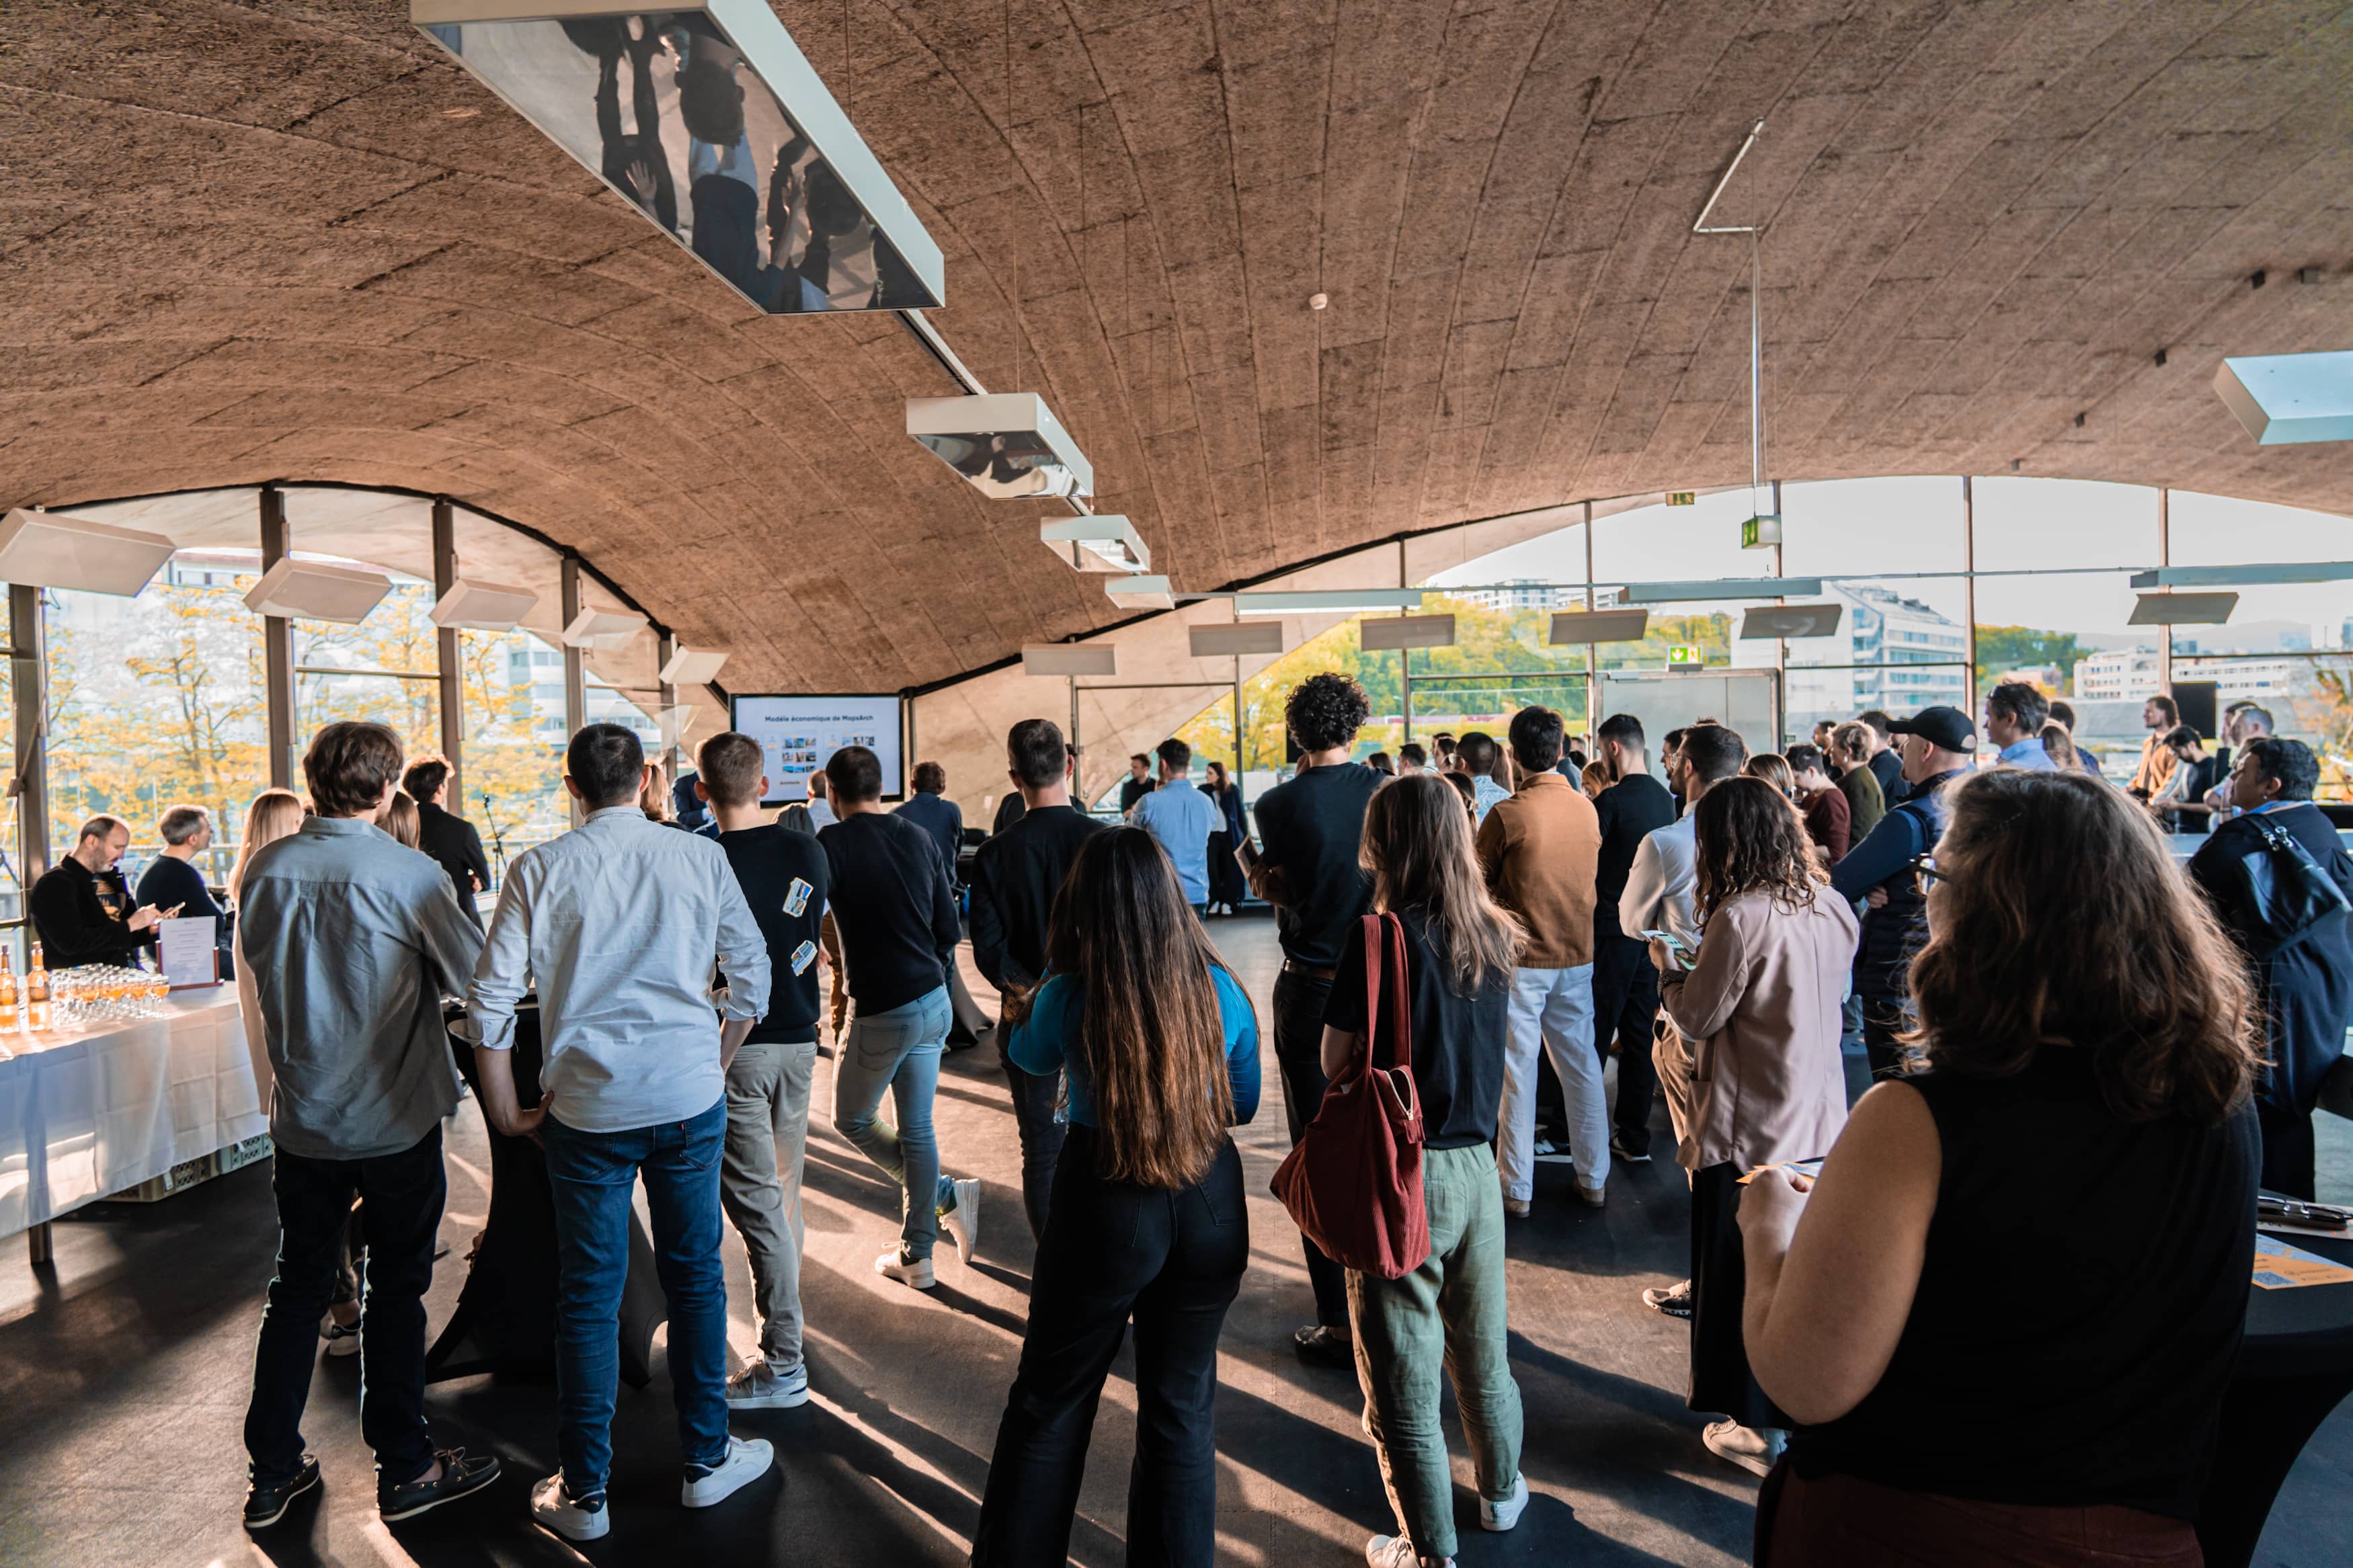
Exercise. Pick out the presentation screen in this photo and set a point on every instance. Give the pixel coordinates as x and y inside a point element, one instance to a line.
<point>796,734</point>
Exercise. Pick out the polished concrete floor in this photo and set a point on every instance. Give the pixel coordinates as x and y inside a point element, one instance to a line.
<point>123,1373</point>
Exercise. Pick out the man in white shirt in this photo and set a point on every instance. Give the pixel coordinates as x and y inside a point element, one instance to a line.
<point>820,807</point>
<point>1181,819</point>
<point>619,922</point>
<point>1660,887</point>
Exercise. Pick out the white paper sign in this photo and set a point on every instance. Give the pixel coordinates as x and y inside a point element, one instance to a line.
<point>190,947</point>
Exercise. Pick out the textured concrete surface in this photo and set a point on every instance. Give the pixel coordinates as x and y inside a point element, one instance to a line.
<point>289,240</point>
<point>123,1374</point>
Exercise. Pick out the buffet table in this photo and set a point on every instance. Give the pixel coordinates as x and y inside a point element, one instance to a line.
<point>90,1110</point>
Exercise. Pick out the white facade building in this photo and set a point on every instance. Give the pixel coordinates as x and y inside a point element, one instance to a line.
<point>1901,656</point>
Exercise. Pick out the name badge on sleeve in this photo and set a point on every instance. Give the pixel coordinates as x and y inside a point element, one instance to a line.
<point>803,956</point>
<point>797,898</point>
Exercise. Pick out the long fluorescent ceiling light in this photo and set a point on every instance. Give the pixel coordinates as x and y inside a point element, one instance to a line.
<point>2182,609</point>
<point>1099,542</point>
<point>1329,602</point>
<point>1008,443</point>
<point>707,118</point>
<point>1721,588</point>
<point>2242,576</point>
<point>2283,399</point>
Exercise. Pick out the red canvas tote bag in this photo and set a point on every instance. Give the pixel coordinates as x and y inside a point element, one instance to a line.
<point>1353,1184</point>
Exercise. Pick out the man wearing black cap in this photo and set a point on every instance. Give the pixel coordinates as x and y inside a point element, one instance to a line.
<point>1937,745</point>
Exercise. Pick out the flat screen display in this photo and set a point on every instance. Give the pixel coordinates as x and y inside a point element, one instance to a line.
<point>796,734</point>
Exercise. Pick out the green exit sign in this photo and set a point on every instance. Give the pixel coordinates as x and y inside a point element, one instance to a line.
<point>1761,531</point>
<point>1682,498</point>
<point>1684,655</point>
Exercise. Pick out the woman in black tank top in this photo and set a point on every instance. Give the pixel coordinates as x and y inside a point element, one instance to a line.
<point>2005,1314</point>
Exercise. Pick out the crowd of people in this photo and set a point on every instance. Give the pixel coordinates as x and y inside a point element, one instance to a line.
<point>2046,1001</point>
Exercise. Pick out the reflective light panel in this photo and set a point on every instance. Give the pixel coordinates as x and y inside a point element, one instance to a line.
<point>1390,634</point>
<point>708,119</point>
<point>56,550</point>
<point>1791,621</point>
<point>1007,444</point>
<point>2283,399</point>
<point>1100,542</point>
<point>1570,627</point>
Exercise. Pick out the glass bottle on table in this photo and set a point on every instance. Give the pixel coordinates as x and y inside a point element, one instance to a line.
<point>12,1017</point>
<point>37,993</point>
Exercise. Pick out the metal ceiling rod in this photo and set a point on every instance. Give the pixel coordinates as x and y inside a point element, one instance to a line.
<point>1755,313</point>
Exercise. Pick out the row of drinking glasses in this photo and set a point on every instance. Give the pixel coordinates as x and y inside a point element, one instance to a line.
<point>105,994</point>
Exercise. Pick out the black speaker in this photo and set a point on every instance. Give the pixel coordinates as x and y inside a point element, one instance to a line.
<point>2196,699</point>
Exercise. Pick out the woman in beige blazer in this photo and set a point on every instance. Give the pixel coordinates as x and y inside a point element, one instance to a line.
<point>1761,1003</point>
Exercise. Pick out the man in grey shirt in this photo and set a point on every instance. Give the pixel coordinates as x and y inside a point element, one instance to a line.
<point>619,922</point>
<point>352,941</point>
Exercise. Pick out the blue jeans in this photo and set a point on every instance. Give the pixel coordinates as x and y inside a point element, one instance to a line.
<point>898,1051</point>
<point>594,1175</point>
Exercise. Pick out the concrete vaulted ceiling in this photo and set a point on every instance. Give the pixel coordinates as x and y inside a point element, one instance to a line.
<point>290,240</point>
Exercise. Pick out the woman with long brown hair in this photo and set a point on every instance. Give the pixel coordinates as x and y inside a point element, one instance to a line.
<point>1760,1005</point>
<point>1447,1317</point>
<point>1159,1045</point>
<point>402,820</point>
<point>2005,1315</point>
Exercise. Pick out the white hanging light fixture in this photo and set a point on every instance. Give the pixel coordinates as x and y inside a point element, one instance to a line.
<point>1061,659</point>
<point>59,550</point>
<point>1007,444</point>
<point>699,668</point>
<point>1097,542</point>
<point>315,591</point>
<point>476,606</point>
<point>706,117</point>
<point>604,629</point>
<point>1140,592</point>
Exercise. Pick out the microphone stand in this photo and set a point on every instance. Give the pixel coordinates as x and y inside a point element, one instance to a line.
<point>498,840</point>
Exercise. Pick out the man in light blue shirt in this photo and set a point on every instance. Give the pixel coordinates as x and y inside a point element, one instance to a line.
<point>1182,819</point>
<point>2015,714</point>
<point>619,922</point>
<point>1479,754</point>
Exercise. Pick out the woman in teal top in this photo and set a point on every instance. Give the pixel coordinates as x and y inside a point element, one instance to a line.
<point>1158,1046</point>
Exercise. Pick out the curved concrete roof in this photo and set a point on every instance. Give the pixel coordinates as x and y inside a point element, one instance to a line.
<point>290,240</point>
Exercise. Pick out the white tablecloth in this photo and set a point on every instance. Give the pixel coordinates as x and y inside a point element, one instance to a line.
<point>90,1113</point>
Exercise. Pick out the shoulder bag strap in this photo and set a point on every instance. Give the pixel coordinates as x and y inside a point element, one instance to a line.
<point>1400,1004</point>
<point>1369,927</point>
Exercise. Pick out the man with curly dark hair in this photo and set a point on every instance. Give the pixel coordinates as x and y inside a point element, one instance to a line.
<point>1309,828</point>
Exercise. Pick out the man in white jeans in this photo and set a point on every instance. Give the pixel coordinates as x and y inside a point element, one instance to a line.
<point>1539,847</point>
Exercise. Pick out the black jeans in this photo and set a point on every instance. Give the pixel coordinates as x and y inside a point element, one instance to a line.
<point>1721,1382</point>
<point>1625,1006</point>
<point>400,1211</point>
<point>1041,1137</point>
<point>1173,1261</point>
<point>1883,1019</point>
<point>1299,1055</point>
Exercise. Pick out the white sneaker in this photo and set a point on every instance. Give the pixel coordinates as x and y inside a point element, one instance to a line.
<point>747,1460</point>
<point>1396,1551</point>
<point>911,1271</point>
<point>343,1339</point>
<point>760,1386</point>
<point>963,1221</point>
<point>1753,1449</point>
<point>1501,1516</point>
<point>554,1507</point>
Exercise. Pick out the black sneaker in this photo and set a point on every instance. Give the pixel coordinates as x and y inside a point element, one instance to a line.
<point>460,1476</point>
<point>1627,1151</point>
<point>265,1506</point>
<point>1319,1345</point>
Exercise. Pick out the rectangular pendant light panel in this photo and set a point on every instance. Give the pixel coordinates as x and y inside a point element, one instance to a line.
<point>1099,543</point>
<point>2242,576</point>
<point>314,591</point>
<point>1570,627</point>
<point>1791,621</point>
<point>708,119</point>
<point>1391,633</point>
<point>58,549</point>
<point>1246,639</point>
<point>699,668</point>
<point>1140,592</point>
<point>1008,443</point>
<point>2285,399</point>
<point>1070,659</point>
<point>603,629</point>
<point>482,607</point>
<point>2182,609</point>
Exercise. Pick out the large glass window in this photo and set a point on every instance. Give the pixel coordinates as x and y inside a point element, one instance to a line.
<point>384,669</point>
<point>158,700</point>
